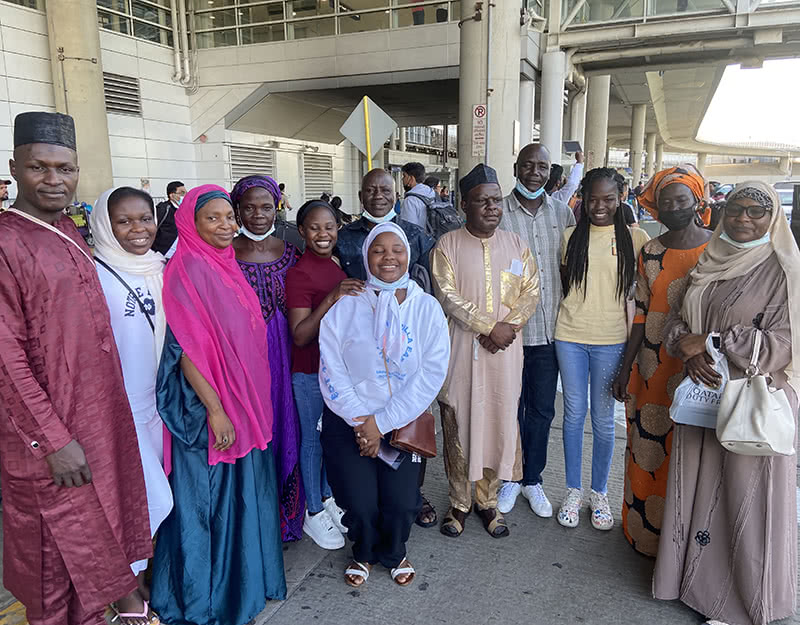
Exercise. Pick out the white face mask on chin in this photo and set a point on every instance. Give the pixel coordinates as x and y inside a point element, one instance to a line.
<point>256,237</point>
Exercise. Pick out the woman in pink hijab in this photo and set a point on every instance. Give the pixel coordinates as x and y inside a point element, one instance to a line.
<point>218,555</point>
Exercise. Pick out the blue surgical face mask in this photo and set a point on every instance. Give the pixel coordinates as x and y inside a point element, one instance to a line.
<point>180,199</point>
<point>747,244</point>
<point>256,237</point>
<point>527,193</point>
<point>379,220</point>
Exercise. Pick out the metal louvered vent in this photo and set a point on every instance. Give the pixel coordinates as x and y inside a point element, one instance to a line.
<point>122,94</point>
<point>251,160</point>
<point>317,175</point>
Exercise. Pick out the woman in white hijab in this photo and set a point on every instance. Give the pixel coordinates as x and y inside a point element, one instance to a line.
<point>131,275</point>
<point>384,357</point>
<point>728,543</point>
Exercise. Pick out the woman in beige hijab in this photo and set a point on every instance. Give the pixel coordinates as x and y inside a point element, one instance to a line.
<point>729,537</point>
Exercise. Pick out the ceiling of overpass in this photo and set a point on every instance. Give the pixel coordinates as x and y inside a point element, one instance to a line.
<point>317,115</point>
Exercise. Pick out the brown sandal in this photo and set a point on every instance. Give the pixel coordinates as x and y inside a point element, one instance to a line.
<point>404,568</point>
<point>357,571</point>
<point>426,512</point>
<point>453,523</point>
<point>493,522</point>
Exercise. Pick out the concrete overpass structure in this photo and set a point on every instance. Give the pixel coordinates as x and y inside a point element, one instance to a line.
<point>636,74</point>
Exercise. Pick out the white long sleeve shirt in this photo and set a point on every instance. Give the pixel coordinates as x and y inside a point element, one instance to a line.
<point>352,375</point>
<point>571,185</point>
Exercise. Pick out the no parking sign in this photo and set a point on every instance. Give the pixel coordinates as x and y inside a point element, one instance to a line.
<point>479,130</point>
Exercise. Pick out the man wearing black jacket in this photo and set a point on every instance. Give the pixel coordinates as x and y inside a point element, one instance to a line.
<point>165,218</point>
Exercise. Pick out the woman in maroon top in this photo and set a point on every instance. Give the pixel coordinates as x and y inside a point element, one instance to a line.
<point>313,285</point>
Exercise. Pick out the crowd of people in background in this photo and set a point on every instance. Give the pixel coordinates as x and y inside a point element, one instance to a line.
<point>229,390</point>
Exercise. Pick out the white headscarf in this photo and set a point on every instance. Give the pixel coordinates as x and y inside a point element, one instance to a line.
<point>723,261</point>
<point>387,328</point>
<point>149,265</point>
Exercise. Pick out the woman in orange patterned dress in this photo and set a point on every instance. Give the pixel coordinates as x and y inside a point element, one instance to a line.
<point>675,197</point>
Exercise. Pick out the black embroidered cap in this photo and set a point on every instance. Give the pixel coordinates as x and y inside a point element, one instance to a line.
<point>480,174</point>
<point>43,127</point>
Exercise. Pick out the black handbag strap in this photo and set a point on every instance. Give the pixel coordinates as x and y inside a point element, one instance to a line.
<point>130,290</point>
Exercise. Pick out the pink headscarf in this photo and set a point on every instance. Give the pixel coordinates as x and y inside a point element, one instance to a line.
<point>216,318</point>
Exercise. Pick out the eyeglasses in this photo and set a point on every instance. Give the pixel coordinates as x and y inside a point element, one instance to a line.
<point>753,212</point>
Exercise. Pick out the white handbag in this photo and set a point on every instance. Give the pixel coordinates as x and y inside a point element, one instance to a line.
<point>755,419</point>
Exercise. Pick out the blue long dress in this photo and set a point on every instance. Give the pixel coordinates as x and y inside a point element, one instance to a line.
<point>218,554</point>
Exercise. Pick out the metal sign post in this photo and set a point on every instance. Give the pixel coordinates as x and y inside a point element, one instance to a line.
<point>367,128</point>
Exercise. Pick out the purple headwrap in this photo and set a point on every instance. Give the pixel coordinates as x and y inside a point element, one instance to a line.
<point>248,182</point>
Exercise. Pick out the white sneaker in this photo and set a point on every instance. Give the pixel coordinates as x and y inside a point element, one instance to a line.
<point>570,512</point>
<point>539,502</point>
<point>602,519</point>
<point>322,530</point>
<point>336,514</point>
<point>507,496</point>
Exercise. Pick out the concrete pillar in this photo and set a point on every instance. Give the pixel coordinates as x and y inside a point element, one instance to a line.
<point>78,87</point>
<point>785,165</point>
<point>527,96</point>
<point>489,61</point>
<point>402,146</point>
<point>577,118</point>
<point>639,116</point>
<point>659,157</point>
<point>650,161</point>
<point>553,75</point>
<point>393,141</point>
<point>598,90</point>
<point>702,157</point>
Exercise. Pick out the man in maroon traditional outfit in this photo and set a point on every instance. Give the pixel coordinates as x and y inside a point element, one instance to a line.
<point>74,505</point>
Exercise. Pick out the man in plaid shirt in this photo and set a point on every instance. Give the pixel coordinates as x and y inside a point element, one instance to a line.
<point>540,221</point>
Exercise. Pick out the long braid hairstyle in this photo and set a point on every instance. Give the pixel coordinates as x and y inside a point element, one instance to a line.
<point>578,247</point>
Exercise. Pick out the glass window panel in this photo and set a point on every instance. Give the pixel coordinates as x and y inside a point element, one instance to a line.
<point>362,22</point>
<point>163,3</point>
<point>116,5</point>
<point>308,8</point>
<point>216,39</point>
<point>31,4</point>
<point>202,5</point>
<point>215,19</point>
<point>455,11</point>
<point>148,12</point>
<point>671,7</point>
<point>416,16</point>
<point>262,13</point>
<point>152,33</point>
<point>360,5</point>
<point>310,28</point>
<point>262,34</point>
<point>113,22</point>
<point>612,10</point>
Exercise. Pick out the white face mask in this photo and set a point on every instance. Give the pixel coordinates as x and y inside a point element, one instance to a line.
<point>746,244</point>
<point>379,220</point>
<point>256,237</point>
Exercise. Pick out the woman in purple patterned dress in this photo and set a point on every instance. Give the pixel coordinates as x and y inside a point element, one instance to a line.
<point>264,260</point>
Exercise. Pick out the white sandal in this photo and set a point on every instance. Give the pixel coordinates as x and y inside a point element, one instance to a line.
<point>362,571</point>
<point>404,570</point>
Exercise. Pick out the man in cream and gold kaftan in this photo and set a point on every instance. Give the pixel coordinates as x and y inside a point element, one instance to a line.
<point>488,285</point>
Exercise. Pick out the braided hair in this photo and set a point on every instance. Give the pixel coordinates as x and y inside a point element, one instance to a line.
<point>577,262</point>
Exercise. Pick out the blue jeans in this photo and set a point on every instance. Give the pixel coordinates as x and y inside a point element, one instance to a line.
<point>309,402</point>
<point>581,364</point>
<point>537,408</point>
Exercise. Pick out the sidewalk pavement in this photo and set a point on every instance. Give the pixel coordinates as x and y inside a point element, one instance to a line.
<point>542,574</point>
